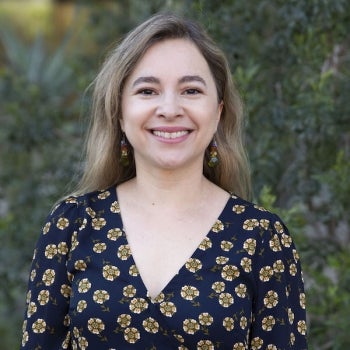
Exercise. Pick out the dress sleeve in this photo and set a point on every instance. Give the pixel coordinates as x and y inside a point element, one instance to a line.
<point>279,316</point>
<point>46,317</point>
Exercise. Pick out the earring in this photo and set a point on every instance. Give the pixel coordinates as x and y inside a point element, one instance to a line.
<point>124,152</point>
<point>213,153</point>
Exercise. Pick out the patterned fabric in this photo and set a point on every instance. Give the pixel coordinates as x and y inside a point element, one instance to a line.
<point>241,289</point>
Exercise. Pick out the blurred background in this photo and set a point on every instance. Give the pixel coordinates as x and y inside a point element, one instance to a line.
<point>291,62</point>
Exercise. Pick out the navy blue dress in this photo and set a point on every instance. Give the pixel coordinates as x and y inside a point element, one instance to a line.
<point>241,289</point>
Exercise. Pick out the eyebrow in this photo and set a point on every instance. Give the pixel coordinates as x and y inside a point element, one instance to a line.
<point>154,80</point>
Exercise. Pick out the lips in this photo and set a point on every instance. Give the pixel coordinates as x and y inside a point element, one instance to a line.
<point>170,135</point>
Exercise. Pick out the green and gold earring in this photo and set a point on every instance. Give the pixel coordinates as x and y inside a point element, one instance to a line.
<point>213,155</point>
<point>124,152</point>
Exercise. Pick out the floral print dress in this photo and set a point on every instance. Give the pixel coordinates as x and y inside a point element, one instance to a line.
<point>241,289</point>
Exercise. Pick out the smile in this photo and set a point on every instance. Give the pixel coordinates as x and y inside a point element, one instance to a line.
<point>170,135</point>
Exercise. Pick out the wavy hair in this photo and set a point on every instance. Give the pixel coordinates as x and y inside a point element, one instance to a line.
<point>102,147</point>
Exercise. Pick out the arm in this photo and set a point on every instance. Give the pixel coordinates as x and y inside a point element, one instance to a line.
<point>46,317</point>
<point>279,317</point>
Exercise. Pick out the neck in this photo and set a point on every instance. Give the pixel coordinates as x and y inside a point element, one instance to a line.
<point>170,188</point>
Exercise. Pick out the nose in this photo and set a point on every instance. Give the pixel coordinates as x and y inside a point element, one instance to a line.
<point>169,106</point>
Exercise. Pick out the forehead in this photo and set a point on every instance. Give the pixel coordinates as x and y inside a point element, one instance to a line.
<point>170,56</point>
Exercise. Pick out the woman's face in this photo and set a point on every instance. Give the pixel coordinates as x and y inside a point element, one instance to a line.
<point>170,108</point>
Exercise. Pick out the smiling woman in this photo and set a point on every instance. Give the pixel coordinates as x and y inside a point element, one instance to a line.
<point>159,248</point>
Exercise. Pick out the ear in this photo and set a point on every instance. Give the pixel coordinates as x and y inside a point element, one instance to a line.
<point>219,111</point>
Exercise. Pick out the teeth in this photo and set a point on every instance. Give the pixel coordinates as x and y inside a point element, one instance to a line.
<point>170,135</point>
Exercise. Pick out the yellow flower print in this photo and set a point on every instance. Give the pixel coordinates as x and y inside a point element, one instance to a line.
<point>246,264</point>
<point>278,227</point>
<point>124,252</point>
<point>218,287</point>
<point>179,338</point>
<point>189,292</point>
<point>275,243</point>
<point>230,272</point>
<point>76,332</point>
<point>133,271</point>
<point>250,224</point>
<point>39,326</point>
<point>228,323</point>
<point>286,240</point>
<point>278,266</point>
<point>293,269</point>
<point>268,323</point>
<point>124,320</point>
<point>238,209</point>
<point>225,299</point>
<point>32,309</point>
<point>28,296</point>
<point>99,247</point>
<point>66,321</point>
<point>80,265</point>
<point>104,195</point>
<point>43,297</point>
<point>50,251</point>
<point>193,265</point>
<point>159,298</point>
<point>131,335</point>
<point>66,290</point>
<point>302,327</point>
<point>83,224</point>
<point>129,291</point>
<point>114,233</point>
<point>221,260</point>
<point>137,305</point>
<point>205,244</point>
<point>62,248</point>
<point>115,208</point>
<point>98,223</point>
<point>243,323</point>
<point>271,299</point>
<point>95,325</point>
<point>295,255</point>
<point>302,300</point>
<point>100,296</point>
<point>167,308</point>
<point>249,246</point>
<point>84,285</point>
<point>226,246</point>
<point>205,319</point>
<point>75,241</point>
<point>150,325</point>
<point>290,316</point>
<point>256,343</point>
<point>190,326</point>
<point>259,208</point>
<point>46,228</point>
<point>90,212</point>
<point>292,338</point>
<point>218,226</point>
<point>71,200</point>
<point>49,277</point>
<point>83,343</point>
<point>205,345</point>
<point>110,272</point>
<point>25,338</point>
<point>81,306</point>
<point>241,290</point>
<point>265,273</point>
<point>62,223</point>
<point>264,223</point>
<point>271,347</point>
<point>32,275</point>
<point>239,346</point>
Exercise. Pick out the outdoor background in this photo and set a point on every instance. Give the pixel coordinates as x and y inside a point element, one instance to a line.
<point>291,61</point>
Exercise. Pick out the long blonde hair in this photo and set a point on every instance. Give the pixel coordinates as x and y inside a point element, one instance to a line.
<point>102,167</point>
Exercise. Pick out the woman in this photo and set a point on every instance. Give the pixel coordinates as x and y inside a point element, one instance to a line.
<point>154,251</point>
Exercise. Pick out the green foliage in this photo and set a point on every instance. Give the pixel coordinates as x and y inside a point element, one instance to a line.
<point>290,60</point>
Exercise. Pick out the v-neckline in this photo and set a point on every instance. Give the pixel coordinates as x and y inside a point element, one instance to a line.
<point>194,254</point>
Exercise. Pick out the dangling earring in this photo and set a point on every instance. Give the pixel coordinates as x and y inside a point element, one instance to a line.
<point>124,152</point>
<point>213,153</point>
